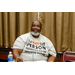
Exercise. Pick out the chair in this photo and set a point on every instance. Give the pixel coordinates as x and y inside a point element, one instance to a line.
<point>68,56</point>
<point>4,54</point>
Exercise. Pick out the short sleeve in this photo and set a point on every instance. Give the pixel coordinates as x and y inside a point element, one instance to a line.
<point>51,49</point>
<point>19,43</point>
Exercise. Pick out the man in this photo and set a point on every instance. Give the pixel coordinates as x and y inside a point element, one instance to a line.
<point>33,46</point>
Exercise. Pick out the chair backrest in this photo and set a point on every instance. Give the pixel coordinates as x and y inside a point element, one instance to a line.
<point>4,50</point>
<point>69,56</point>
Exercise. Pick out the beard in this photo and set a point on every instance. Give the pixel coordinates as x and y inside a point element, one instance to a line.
<point>35,33</point>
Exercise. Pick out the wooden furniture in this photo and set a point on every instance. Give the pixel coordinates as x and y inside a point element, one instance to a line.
<point>4,53</point>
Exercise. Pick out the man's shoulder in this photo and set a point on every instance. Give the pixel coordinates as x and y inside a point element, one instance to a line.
<point>44,37</point>
<point>25,35</point>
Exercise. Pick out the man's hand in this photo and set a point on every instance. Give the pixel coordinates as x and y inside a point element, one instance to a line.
<point>18,59</point>
<point>16,55</point>
<point>51,59</point>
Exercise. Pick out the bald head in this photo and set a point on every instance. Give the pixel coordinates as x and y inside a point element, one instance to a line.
<point>38,22</point>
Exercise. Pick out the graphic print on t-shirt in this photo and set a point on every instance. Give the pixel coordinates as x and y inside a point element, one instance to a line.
<point>35,47</point>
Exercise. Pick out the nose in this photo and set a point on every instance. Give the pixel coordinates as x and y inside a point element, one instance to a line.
<point>35,27</point>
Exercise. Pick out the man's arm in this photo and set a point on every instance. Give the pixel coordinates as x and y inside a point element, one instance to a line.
<point>16,54</point>
<point>51,59</point>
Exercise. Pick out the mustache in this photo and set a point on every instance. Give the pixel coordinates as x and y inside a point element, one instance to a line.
<point>35,29</point>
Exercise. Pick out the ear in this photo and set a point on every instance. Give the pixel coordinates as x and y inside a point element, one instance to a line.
<point>41,27</point>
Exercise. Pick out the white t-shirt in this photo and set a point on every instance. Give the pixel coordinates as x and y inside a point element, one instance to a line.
<point>34,49</point>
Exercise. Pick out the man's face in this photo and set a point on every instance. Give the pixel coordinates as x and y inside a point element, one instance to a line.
<point>36,27</point>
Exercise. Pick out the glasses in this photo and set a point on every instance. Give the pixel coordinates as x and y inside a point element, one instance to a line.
<point>36,26</point>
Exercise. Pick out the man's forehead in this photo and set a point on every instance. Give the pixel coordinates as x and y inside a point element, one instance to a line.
<point>36,22</point>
